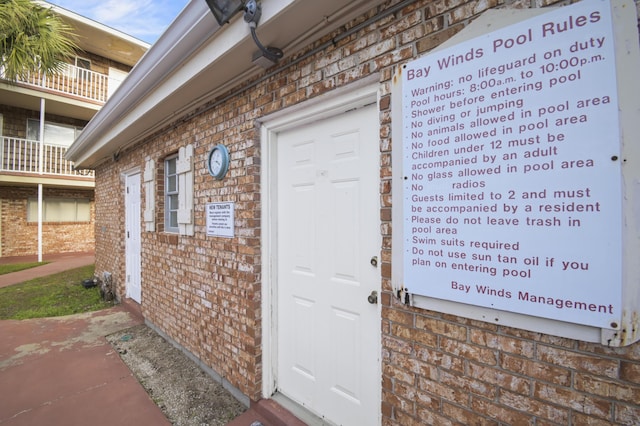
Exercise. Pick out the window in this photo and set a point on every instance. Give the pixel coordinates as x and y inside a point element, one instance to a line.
<point>83,63</point>
<point>60,210</point>
<point>80,70</point>
<point>54,134</point>
<point>177,178</point>
<point>171,194</point>
<point>174,178</point>
<point>83,68</point>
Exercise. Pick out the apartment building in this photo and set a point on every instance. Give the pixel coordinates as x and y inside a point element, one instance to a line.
<point>46,204</point>
<point>326,232</point>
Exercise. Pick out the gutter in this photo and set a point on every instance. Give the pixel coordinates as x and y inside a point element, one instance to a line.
<point>192,63</point>
<point>169,52</point>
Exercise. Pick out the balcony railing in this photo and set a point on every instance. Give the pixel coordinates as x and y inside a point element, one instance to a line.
<point>23,156</point>
<point>80,82</point>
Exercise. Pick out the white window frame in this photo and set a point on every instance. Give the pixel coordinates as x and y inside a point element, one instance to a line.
<point>170,193</point>
<point>79,63</point>
<point>83,63</point>
<point>36,126</point>
<point>48,204</point>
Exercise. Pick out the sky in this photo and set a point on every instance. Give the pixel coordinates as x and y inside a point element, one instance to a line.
<point>142,19</point>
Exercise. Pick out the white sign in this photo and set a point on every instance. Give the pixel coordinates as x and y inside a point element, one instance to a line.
<point>220,220</point>
<point>512,177</point>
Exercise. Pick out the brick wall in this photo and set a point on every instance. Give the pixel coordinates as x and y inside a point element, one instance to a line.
<point>437,369</point>
<point>20,237</point>
<point>109,224</point>
<point>441,369</point>
<point>203,292</point>
<point>101,64</point>
<point>15,120</point>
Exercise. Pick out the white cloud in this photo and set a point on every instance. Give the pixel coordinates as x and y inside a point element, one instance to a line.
<point>143,19</point>
<point>120,10</point>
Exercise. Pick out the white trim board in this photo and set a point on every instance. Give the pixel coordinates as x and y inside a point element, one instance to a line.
<point>359,94</point>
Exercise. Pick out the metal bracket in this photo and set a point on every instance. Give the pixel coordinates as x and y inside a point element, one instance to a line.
<point>404,296</point>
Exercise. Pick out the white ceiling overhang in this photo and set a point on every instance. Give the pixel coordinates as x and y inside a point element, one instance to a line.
<point>195,61</point>
<point>94,37</point>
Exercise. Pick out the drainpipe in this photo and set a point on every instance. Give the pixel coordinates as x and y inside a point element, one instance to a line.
<point>41,172</point>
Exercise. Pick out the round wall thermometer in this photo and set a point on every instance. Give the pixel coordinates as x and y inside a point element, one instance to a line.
<point>218,162</point>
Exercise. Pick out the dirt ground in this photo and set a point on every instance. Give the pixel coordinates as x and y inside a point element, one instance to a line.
<point>183,391</point>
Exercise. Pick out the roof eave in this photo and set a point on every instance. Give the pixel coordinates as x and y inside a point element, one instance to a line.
<point>185,34</point>
<point>95,37</point>
<point>196,61</point>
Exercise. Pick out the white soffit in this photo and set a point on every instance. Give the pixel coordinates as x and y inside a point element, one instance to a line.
<point>94,37</point>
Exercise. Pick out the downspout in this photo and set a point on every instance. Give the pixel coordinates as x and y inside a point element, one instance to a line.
<point>41,172</point>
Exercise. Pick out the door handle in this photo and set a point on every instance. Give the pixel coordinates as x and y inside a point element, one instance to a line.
<point>373,297</point>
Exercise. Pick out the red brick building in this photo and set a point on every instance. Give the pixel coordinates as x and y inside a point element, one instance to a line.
<point>66,102</point>
<point>278,274</point>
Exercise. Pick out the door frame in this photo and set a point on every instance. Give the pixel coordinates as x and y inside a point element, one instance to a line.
<point>359,94</point>
<point>126,176</point>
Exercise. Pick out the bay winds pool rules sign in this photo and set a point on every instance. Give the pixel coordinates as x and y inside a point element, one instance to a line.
<point>511,163</point>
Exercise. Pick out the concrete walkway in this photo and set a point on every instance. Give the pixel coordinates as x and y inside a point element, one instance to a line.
<point>57,263</point>
<point>62,371</point>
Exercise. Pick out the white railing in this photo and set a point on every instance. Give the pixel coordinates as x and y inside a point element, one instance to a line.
<point>71,80</point>
<point>23,156</point>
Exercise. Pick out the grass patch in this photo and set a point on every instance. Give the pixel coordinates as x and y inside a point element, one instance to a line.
<point>51,296</point>
<point>15,267</point>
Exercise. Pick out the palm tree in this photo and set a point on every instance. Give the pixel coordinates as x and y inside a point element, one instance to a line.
<point>32,38</point>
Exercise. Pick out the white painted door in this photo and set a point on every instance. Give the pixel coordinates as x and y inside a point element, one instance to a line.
<point>132,236</point>
<point>115,79</point>
<point>328,232</point>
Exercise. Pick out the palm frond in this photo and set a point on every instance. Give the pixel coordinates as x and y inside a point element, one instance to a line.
<point>32,38</point>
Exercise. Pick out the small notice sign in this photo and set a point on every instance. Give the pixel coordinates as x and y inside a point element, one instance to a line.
<point>512,176</point>
<point>220,220</point>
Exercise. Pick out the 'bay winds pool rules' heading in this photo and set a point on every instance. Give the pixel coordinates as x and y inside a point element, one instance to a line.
<point>511,168</point>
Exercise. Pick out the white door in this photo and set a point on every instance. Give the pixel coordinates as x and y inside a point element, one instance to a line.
<point>132,236</point>
<point>116,77</point>
<point>328,233</point>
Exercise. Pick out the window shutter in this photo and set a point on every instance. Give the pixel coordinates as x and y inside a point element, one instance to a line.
<point>149,178</point>
<point>184,168</point>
